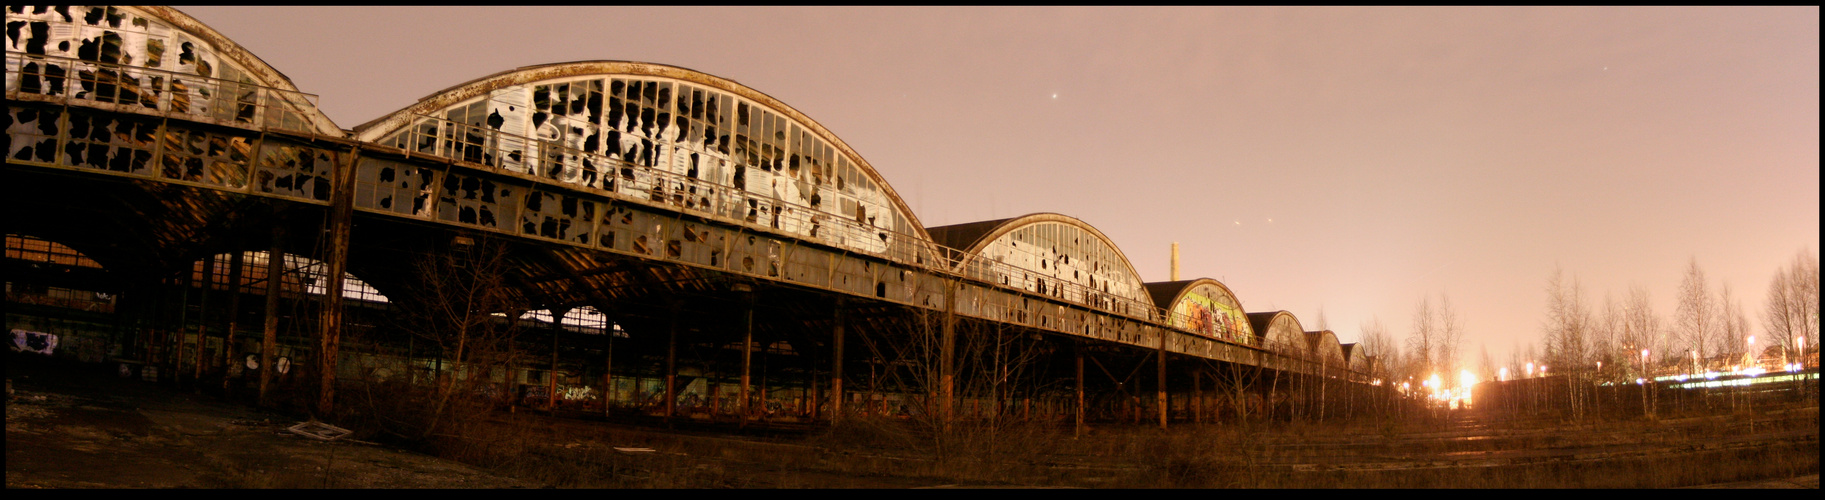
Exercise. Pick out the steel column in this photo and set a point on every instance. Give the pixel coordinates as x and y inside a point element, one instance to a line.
<point>342,216</point>
<point>747,360</point>
<point>234,314</point>
<point>836,367</point>
<point>671,362</point>
<point>1080,389</point>
<point>270,337</point>
<point>947,356</point>
<point>202,320</point>
<point>1160,398</point>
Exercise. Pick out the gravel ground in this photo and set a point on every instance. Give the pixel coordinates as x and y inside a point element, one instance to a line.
<point>76,427</point>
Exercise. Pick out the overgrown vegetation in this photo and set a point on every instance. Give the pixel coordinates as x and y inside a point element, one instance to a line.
<point>1446,449</point>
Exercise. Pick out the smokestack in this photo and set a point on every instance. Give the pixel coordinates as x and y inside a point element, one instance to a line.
<point>1175,261</point>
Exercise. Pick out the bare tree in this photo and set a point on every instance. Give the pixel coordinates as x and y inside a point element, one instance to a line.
<point>462,308</point>
<point>1567,323</point>
<point>1382,348</point>
<point>1733,325</point>
<point>1607,338</point>
<point>1791,315</point>
<point>1377,343</point>
<point>1450,339</point>
<point>1424,340</point>
<point>1695,321</point>
<point>1642,332</point>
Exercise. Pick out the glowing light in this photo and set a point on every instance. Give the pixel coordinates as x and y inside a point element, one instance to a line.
<point>1434,382</point>
<point>1466,379</point>
<point>1530,369</point>
<point>1502,374</point>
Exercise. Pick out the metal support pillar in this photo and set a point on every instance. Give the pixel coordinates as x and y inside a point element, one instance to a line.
<point>671,362</point>
<point>947,356</point>
<point>183,323</point>
<point>269,341</point>
<point>608,373</point>
<point>342,216</point>
<point>1160,398</point>
<point>747,361</point>
<point>1080,390</point>
<point>202,320</point>
<point>551,377</point>
<point>234,315</point>
<point>836,366</point>
<point>1197,396</point>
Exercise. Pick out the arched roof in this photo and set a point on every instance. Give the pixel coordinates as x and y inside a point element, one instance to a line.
<point>978,244</point>
<point>158,38</point>
<point>1202,305</point>
<point>488,86</point>
<point>1278,330</point>
<point>1324,345</point>
<point>1353,355</point>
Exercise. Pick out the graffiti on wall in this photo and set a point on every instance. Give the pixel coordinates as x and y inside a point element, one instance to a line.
<point>1208,310</point>
<point>33,342</point>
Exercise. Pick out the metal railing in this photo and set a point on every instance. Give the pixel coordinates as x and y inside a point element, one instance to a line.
<point>156,92</point>
<point>488,149</point>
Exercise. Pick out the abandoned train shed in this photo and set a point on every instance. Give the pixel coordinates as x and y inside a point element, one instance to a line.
<point>620,237</point>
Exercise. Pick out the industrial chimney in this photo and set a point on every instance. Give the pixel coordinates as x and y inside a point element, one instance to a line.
<point>1175,261</point>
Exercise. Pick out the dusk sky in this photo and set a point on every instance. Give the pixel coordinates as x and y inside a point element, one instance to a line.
<point>1349,159</point>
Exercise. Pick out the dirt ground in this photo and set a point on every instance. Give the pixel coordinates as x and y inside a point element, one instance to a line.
<point>73,426</point>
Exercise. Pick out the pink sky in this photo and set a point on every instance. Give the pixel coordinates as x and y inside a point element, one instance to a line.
<point>1354,159</point>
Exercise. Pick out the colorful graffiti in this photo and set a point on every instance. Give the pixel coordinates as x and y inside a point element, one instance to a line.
<point>33,342</point>
<point>1210,311</point>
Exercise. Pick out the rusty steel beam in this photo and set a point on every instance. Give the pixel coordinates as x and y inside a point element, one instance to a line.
<point>1079,349</point>
<point>342,215</point>
<point>234,309</point>
<point>202,319</point>
<point>1160,399</point>
<point>671,362</point>
<point>836,365</point>
<point>947,357</point>
<point>269,340</point>
<point>551,379</point>
<point>747,360</point>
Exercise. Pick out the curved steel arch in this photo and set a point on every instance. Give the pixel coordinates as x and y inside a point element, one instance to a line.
<point>1324,346</point>
<point>1188,306</point>
<point>972,240</point>
<point>491,86</point>
<point>1279,331</point>
<point>156,42</point>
